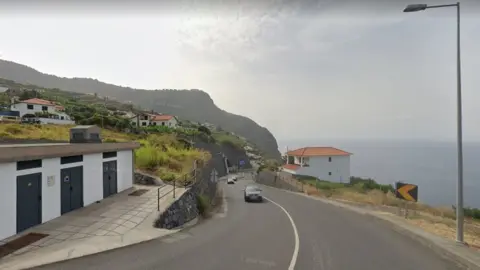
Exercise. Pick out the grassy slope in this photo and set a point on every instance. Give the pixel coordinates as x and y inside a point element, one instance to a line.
<point>162,155</point>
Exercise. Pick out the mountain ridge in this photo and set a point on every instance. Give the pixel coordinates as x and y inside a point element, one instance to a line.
<point>194,104</point>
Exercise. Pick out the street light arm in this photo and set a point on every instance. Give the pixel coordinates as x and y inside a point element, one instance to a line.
<point>440,6</point>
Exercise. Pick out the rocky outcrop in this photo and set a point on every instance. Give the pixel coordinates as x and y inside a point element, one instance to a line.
<point>141,178</point>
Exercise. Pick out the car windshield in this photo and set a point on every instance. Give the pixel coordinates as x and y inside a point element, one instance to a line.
<point>252,188</point>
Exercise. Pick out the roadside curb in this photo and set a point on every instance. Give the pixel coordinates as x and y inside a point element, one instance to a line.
<point>460,254</point>
<point>186,225</point>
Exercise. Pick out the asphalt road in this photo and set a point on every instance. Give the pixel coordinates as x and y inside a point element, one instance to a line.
<point>277,234</point>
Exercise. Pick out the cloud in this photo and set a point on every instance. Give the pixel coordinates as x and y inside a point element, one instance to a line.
<point>341,68</point>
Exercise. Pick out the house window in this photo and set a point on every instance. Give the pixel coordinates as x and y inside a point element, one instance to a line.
<point>329,159</point>
<point>62,118</point>
<point>30,106</point>
<point>29,164</point>
<point>144,124</point>
<point>154,123</point>
<point>44,108</point>
<point>109,154</point>
<point>71,159</point>
<point>329,173</point>
<point>163,123</point>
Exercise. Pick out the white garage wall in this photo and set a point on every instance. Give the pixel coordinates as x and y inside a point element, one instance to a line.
<point>124,170</point>
<point>50,194</point>
<point>51,199</point>
<point>8,200</point>
<point>92,178</point>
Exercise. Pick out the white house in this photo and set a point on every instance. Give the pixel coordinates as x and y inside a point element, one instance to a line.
<point>43,181</point>
<point>324,163</point>
<point>36,105</point>
<point>142,119</point>
<point>164,120</point>
<point>147,119</point>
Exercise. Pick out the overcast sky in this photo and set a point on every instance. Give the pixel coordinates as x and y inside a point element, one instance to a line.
<point>304,69</point>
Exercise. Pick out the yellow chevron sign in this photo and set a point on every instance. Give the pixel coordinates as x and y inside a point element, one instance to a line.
<point>408,192</point>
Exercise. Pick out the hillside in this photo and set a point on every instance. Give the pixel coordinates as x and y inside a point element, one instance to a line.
<point>194,105</point>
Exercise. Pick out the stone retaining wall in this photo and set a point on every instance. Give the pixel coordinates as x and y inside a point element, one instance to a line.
<point>185,208</point>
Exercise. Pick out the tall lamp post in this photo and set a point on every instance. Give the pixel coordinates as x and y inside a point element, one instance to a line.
<point>459,208</point>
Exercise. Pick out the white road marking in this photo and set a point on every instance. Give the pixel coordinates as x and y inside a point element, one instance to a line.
<point>295,232</point>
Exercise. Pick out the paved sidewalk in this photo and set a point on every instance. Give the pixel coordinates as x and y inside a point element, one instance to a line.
<point>114,222</point>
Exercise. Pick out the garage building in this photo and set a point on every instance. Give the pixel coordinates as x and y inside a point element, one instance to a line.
<point>39,182</point>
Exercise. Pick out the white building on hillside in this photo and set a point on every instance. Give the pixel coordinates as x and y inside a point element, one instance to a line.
<point>164,120</point>
<point>324,163</point>
<point>148,119</point>
<point>35,105</point>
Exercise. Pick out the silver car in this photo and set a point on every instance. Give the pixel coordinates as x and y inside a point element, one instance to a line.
<point>252,193</point>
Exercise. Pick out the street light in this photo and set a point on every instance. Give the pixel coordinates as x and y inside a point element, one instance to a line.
<point>420,7</point>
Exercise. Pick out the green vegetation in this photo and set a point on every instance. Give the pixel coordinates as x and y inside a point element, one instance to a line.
<point>356,184</point>
<point>162,155</point>
<point>227,138</point>
<point>203,204</point>
<point>269,164</point>
<point>369,191</point>
<point>167,157</point>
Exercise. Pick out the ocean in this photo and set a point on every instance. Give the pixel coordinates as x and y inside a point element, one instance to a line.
<point>430,165</point>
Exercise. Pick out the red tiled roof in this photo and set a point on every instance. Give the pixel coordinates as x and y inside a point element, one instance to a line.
<point>162,117</point>
<point>38,101</point>
<point>317,151</point>
<point>291,167</point>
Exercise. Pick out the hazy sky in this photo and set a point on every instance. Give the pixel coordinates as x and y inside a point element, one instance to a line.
<point>304,69</point>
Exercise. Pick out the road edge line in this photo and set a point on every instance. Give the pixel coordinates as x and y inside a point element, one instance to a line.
<point>404,230</point>
<point>293,261</point>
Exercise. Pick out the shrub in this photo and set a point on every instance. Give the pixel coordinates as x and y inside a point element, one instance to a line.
<point>205,130</point>
<point>150,158</point>
<point>159,129</point>
<point>203,204</point>
<point>370,184</point>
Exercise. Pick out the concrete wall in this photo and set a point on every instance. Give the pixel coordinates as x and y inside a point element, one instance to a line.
<point>279,180</point>
<point>92,185</point>
<point>56,121</point>
<point>336,170</point>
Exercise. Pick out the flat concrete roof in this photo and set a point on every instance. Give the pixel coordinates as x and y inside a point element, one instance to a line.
<point>22,152</point>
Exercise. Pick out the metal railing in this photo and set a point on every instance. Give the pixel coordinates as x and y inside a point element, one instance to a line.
<point>186,180</point>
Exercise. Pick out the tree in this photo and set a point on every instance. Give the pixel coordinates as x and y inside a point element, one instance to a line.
<point>28,94</point>
<point>205,130</point>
